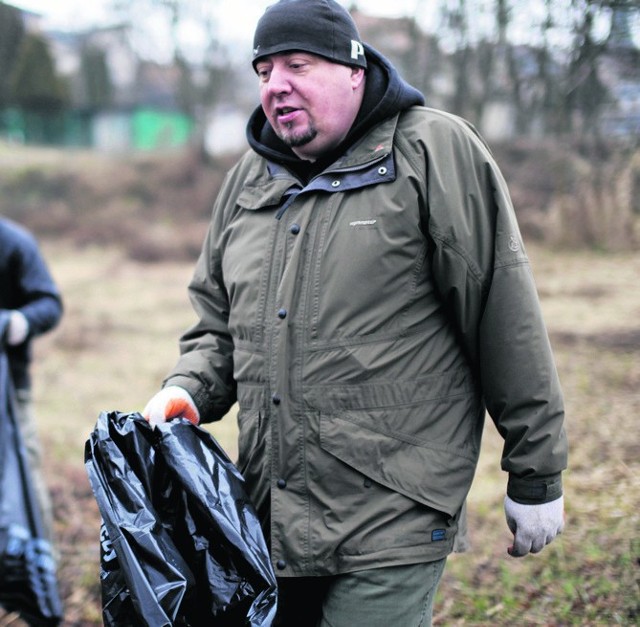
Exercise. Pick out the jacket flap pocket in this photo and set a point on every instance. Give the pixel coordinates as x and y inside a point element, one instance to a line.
<point>433,475</point>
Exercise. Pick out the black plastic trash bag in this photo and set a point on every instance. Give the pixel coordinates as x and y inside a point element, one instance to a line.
<point>180,541</point>
<point>28,583</point>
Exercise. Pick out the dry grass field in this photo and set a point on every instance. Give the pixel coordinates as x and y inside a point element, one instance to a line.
<point>119,337</point>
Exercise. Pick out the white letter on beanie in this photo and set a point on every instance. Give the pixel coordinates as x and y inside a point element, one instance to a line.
<point>356,49</point>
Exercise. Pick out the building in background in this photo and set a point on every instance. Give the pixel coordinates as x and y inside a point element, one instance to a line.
<point>113,100</point>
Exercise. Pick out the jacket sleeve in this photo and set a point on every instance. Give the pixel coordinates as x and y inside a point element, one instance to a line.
<point>37,293</point>
<point>485,279</point>
<point>205,366</point>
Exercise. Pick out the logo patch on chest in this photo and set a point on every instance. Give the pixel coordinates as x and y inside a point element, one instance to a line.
<point>357,223</point>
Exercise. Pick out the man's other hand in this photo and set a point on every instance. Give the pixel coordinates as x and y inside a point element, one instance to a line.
<point>533,526</point>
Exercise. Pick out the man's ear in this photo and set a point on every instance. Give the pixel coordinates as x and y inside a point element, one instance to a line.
<point>357,77</point>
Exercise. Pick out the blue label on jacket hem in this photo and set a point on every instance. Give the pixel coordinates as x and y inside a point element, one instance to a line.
<point>438,535</point>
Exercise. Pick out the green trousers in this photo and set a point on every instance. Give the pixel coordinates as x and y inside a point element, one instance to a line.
<point>397,596</point>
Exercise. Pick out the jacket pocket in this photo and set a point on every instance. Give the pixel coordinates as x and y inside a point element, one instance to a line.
<point>394,448</point>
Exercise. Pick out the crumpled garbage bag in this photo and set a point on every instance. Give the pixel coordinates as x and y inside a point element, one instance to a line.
<point>28,581</point>
<point>180,541</point>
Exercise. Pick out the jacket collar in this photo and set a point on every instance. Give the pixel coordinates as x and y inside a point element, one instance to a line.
<point>370,161</point>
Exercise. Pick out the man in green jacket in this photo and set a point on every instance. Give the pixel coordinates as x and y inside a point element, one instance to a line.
<point>364,295</point>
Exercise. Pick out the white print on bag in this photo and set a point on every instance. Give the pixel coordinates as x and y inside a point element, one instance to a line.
<point>357,49</point>
<point>107,547</point>
<point>362,222</point>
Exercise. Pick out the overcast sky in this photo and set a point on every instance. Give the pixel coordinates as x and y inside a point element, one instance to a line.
<point>235,16</point>
<point>235,20</point>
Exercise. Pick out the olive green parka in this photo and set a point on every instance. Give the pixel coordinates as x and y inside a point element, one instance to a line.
<point>364,322</point>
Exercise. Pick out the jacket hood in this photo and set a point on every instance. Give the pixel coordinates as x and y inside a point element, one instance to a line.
<point>386,93</point>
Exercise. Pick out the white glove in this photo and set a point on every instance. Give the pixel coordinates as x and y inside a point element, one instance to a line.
<point>17,329</point>
<point>533,526</point>
<point>171,402</point>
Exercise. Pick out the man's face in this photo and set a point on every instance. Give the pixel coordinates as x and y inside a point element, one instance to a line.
<point>309,101</point>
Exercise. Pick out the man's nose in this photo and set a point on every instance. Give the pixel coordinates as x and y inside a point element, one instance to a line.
<point>278,81</point>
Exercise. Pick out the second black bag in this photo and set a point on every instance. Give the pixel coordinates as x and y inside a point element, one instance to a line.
<point>28,579</point>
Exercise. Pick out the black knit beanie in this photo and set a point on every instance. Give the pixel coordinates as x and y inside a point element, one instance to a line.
<point>321,27</point>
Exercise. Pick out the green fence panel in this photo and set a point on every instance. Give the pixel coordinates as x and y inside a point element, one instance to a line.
<point>153,130</point>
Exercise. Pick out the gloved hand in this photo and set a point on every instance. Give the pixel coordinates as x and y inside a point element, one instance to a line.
<point>171,402</point>
<point>533,526</point>
<point>17,329</point>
